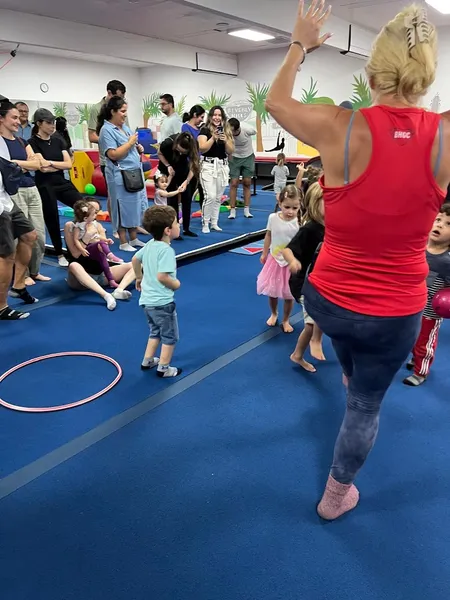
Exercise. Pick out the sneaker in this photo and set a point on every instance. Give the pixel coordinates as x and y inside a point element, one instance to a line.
<point>247,213</point>
<point>63,262</point>
<point>127,248</point>
<point>190,233</point>
<point>216,228</point>
<point>205,229</point>
<point>414,380</point>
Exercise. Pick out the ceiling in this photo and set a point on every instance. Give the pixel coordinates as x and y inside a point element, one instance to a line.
<point>160,19</point>
<point>374,14</point>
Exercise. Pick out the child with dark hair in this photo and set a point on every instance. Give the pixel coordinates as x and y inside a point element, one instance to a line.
<point>161,193</point>
<point>438,258</point>
<point>90,238</point>
<point>155,268</point>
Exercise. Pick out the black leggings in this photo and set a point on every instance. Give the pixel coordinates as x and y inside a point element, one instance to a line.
<point>66,193</point>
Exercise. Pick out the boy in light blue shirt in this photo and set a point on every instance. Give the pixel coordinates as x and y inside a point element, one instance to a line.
<point>155,268</point>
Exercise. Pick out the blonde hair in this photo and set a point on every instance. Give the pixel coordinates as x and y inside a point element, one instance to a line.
<point>281,158</point>
<point>404,56</point>
<point>313,204</point>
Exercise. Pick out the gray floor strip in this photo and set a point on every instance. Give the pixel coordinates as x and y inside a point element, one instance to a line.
<point>39,467</point>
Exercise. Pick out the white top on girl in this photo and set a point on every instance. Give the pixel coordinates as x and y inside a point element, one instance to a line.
<point>281,174</point>
<point>90,232</point>
<point>282,233</point>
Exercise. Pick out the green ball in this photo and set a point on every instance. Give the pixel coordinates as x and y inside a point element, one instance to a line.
<point>90,189</point>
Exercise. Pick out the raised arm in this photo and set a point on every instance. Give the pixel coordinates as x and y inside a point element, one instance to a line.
<point>310,123</point>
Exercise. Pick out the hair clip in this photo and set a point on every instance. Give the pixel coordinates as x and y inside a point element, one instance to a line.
<point>417,29</point>
<point>85,209</point>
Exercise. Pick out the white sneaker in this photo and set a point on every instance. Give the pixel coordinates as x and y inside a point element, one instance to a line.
<point>127,248</point>
<point>232,214</point>
<point>137,243</point>
<point>63,262</point>
<point>205,229</point>
<point>247,213</point>
<point>216,228</point>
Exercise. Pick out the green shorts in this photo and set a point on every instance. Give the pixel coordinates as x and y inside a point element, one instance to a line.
<point>242,167</point>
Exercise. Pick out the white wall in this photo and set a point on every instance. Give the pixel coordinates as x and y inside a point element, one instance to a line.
<point>68,80</point>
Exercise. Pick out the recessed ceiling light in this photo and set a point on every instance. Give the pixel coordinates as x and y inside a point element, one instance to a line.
<point>250,34</point>
<point>443,6</point>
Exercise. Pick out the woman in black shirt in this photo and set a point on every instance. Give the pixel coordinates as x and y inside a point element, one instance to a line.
<point>179,160</point>
<point>54,159</point>
<point>216,143</point>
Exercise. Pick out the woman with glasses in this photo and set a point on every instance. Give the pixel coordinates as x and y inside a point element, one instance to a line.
<point>54,160</point>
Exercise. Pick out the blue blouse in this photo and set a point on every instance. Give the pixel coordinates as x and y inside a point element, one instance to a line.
<point>192,130</point>
<point>111,138</point>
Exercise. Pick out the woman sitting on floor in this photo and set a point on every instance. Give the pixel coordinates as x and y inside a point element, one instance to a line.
<point>86,273</point>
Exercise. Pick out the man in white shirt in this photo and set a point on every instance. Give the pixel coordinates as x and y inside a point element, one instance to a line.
<point>172,124</point>
<point>13,225</point>
<point>242,164</point>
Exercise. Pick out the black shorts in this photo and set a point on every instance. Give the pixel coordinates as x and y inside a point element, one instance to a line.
<point>12,226</point>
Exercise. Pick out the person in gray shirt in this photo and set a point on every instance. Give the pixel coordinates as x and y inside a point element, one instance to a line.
<point>172,123</point>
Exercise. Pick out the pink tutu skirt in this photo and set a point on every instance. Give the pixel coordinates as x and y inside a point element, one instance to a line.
<point>273,281</point>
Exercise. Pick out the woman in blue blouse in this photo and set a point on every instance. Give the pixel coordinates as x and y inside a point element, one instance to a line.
<point>192,123</point>
<point>122,151</point>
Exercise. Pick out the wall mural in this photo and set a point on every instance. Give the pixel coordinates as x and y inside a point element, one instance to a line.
<point>248,108</point>
<point>269,136</point>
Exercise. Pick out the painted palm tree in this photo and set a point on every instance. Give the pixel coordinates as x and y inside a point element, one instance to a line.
<point>150,107</point>
<point>181,106</point>
<point>257,95</point>
<point>362,98</point>
<point>84,111</point>
<point>214,100</point>
<point>310,96</point>
<point>60,109</point>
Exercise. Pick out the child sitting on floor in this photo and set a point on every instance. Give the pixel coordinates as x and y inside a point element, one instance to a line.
<point>438,258</point>
<point>155,267</point>
<point>90,238</point>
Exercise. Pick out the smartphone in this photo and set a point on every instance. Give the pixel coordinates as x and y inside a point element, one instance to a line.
<point>219,129</point>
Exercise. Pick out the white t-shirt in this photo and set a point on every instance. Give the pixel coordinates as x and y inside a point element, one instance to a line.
<point>243,142</point>
<point>281,175</point>
<point>282,233</point>
<point>170,126</point>
<point>6,204</point>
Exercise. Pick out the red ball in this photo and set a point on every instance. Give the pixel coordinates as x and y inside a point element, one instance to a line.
<point>441,303</point>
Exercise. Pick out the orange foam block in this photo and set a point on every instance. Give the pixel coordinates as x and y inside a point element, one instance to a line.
<point>103,215</point>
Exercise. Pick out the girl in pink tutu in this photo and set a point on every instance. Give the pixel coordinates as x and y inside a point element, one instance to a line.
<point>273,281</point>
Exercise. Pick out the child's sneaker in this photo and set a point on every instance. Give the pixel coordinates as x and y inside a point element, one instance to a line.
<point>414,380</point>
<point>168,371</point>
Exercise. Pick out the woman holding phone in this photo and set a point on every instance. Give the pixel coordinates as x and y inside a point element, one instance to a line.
<point>216,143</point>
<point>122,152</point>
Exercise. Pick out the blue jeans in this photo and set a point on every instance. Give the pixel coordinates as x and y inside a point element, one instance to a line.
<point>163,322</point>
<point>371,350</point>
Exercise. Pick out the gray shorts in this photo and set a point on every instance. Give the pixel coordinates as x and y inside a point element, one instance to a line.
<point>74,284</point>
<point>163,322</point>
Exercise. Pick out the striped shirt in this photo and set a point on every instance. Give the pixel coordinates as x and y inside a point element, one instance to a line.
<point>438,278</point>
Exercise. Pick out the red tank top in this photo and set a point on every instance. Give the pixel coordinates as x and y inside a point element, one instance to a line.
<point>376,228</point>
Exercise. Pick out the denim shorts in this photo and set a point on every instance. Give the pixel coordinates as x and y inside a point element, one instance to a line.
<point>163,322</point>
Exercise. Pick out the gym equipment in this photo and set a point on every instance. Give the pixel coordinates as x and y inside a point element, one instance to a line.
<point>441,303</point>
<point>62,406</point>
<point>82,170</point>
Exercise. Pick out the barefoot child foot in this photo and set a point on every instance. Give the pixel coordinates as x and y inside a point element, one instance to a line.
<point>272,320</point>
<point>286,327</point>
<point>316,350</point>
<point>303,363</point>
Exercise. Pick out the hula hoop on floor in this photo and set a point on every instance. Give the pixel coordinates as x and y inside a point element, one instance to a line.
<point>45,409</point>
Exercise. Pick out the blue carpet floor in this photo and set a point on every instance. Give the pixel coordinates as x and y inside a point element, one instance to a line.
<point>205,488</point>
<point>212,496</point>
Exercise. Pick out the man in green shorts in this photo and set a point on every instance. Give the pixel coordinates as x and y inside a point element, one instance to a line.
<point>242,164</point>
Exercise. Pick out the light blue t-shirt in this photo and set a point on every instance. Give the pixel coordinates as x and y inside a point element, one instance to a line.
<point>156,257</point>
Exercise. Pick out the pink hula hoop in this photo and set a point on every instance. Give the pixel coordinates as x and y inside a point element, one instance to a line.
<point>62,406</point>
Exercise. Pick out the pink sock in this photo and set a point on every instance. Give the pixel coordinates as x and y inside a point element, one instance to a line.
<point>337,499</point>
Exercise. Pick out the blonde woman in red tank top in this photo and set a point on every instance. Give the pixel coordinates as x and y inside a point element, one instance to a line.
<point>368,287</point>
